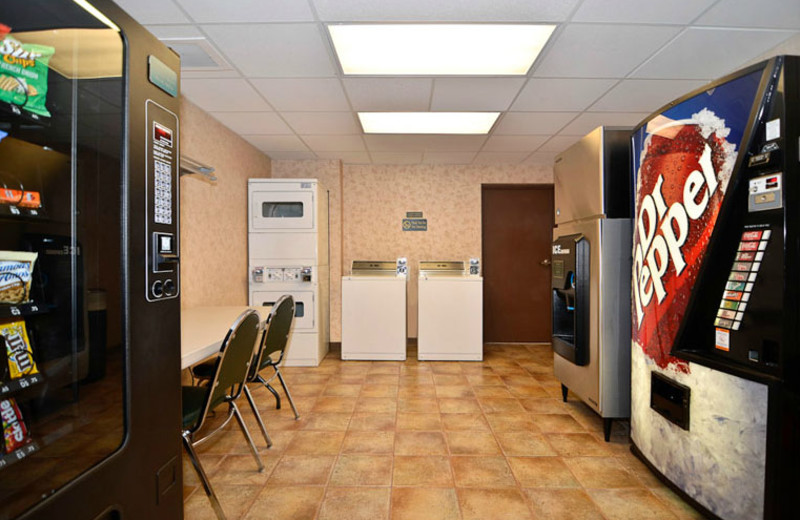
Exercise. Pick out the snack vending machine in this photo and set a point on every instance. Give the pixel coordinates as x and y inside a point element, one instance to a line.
<point>89,248</point>
<point>716,305</point>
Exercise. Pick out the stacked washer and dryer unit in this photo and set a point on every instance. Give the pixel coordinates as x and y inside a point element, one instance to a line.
<point>288,254</point>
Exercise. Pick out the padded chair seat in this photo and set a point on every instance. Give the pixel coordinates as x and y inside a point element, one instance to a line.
<point>204,370</point>
<point>194,398</point>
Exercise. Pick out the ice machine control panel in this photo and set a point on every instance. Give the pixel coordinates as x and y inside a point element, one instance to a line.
<point>162,276</point>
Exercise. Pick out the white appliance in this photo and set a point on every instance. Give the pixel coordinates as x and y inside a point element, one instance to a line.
<point>288,254</point>
<point>374,311</point>
<point>450,305</point>
<point>591,273</point>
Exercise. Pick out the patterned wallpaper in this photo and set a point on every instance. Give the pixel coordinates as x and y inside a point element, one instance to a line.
<point>329,174</point>
<point>368,203</point>
<point>214,216</point>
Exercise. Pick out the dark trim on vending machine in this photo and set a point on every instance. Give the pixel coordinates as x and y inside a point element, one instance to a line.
<point>142,479</point>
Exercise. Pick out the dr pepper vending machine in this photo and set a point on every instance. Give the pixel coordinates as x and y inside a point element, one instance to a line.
<point>89,306</point>
<point>716,293</point>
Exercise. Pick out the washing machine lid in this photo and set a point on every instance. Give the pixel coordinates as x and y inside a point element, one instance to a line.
<point>374,268</point>
<point>442,268</point>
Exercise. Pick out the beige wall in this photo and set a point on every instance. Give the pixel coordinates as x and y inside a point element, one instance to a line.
<point>214,216</point>
<point>368,204</point>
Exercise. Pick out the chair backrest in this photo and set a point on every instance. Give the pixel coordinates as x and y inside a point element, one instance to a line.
<point>276,333</point>
<point>233,363</point>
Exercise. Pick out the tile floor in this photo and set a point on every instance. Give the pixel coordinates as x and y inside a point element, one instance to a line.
<point>430,440</point>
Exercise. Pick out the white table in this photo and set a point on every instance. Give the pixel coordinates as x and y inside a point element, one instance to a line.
<point>203,329</point>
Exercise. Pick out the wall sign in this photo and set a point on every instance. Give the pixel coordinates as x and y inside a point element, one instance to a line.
<point>415,224</point>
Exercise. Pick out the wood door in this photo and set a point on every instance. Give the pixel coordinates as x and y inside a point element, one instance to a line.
<point>517,232</point>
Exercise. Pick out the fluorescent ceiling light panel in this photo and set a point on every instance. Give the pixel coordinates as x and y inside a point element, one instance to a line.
<point>427,122</point>
<point>438,49</point>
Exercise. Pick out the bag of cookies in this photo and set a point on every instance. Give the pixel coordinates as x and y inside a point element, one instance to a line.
<point>16,272</point>
<point>23,74</point>
<point>18,349</point>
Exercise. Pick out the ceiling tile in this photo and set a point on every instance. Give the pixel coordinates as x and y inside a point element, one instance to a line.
<point>276,143</point>
<point>303,95</point>
<point>444,10</point>
<point>588,121</point>
<point>559,143</point>
<point>636,11</point>
<point>389,94</point>
<point>601,51</point>
<point>513,143</point>
<point>322,123</point>
<point>560,95</point>
<point>436,143</point>
<point>214,11</point>
<point>153,11</point>
<point>209,74</point>
<point>548,158</point>
<point>347,157</point>
<point>264,123</point>
<point>333,143</point>
<point>175,31</point>
<point>396,157</point>
<point>500,157</point>
<point>448,157</point>
<point>292,156</point>
<point>223,95</point>
<point>532,123</point>
<point>273,50</point>
<point>778,14</point>
<point>708,53</point>
<point>474,94</point>
<point>644,95</point>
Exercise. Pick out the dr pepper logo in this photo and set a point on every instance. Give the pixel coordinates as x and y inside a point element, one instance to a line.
<point>682,179</point>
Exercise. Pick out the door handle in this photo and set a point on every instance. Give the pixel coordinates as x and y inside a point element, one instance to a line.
<point>545,262</point>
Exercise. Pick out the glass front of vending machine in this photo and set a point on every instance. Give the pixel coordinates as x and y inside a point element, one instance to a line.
<point>70,204</point>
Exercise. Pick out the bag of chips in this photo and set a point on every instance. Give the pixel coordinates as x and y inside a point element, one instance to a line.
<point>15,433</point>
<point>23,74</point>
<point>16,272</point>
<point>18,349</point>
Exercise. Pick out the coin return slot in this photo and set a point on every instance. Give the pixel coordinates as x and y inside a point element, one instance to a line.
<point>670,399</point>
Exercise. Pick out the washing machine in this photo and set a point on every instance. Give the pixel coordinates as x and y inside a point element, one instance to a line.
<point>374,311</point>
<point>450,321</point>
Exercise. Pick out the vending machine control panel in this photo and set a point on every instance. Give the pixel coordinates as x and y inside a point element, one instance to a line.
<point>162,276</point>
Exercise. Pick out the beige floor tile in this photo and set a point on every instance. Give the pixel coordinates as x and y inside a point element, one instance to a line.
<point>326,421</point>
<point>542,472</point>
<point>449,379</point>
<point>242,469</point>
<point>376,405</point>
<point>448,405</point>
<point>577,445</point>
<point>562,504</point>
<point>497,504</point>
<point>601,472</point>
<point>385,367</point>
<point>419,443</point>
<point>544,405</point>
<point>425,504</point>
<point>676,504</point>
<point>421,380</point>
<point>455,391</point>
<point>235,500</point>
<point>362,470</point>
<point>422,471</point>
<point>511,422</point>
<point>484,391</point>
<point>530,390</point>
<point>372,421</point>
<point>327,404</point>
<point>284,503</point>
<point>302,390</point>
<point>524,444</point>
<point>315,443</point>
<point>342,390</point>
<point>482,472</point>
<point>298,470</point>
<point>382,379</point>
<point>500,405</point>
<point>415,405</point>
<point>472,443</point>
<point>623,504</point>
<point>368,442</point>
<point>485,379</point>
<point>343,503</point>
<point>369,390</point>
<point>416,392</point>
<point>419,421</point>
<point>465,422</point>
<point>557,423</point>
<point>444,367</point>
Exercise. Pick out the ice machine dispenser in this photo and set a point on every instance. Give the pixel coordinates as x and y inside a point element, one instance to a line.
<point>570,285</point>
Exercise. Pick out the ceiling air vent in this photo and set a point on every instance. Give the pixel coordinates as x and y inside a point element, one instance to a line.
<point>197,53</point>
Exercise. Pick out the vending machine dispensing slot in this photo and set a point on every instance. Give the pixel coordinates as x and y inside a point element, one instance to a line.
<point>570,282</point>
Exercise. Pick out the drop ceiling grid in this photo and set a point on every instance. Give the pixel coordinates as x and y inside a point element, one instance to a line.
<point>565,91</point>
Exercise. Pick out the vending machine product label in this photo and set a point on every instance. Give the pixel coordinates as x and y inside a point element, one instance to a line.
<point>684,159</point>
